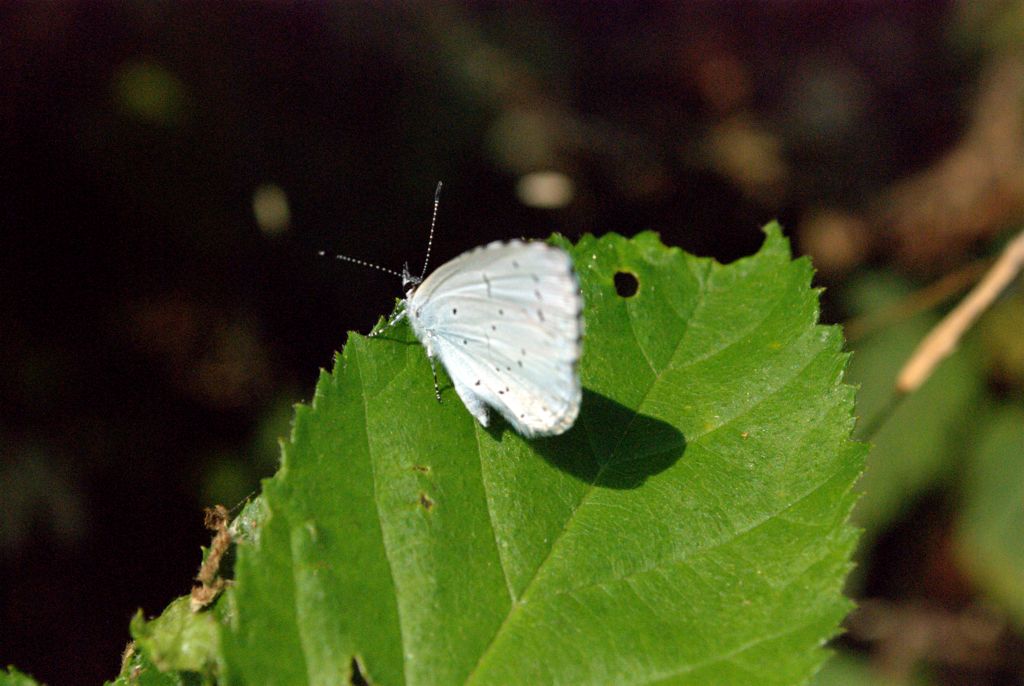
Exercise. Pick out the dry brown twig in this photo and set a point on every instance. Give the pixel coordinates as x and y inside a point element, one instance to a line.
<point>943,339</point>
<point>210,584</point>
<point>927,298</point>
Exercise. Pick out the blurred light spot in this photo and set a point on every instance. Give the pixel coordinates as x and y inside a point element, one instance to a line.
<point>150,92</point>
<point>547,190</point>
<point>270,206</point>
<point>837,242</point>
<point>752,158</point>
<point>523,138</point>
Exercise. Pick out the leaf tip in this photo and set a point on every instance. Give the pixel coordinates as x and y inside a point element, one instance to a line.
<point>775,240</point>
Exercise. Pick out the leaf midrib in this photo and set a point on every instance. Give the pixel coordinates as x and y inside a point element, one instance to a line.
<point>736,533</point>
<point>702,301</point>
<point>583,498</point>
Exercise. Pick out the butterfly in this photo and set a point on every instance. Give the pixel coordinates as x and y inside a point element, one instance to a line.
<point>505,320</point>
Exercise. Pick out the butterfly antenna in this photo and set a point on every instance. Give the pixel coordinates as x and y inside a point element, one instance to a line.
<point>346,258</point>
<point>433,222</point>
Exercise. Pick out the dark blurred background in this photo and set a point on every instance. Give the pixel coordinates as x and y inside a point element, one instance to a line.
<point>170,170</point>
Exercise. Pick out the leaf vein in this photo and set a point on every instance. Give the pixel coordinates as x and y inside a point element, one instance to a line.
<point>572,516</point>
<point>775,391</point>
<point>684,559</point>
<point>739,337</point>
<point>639,345</point>
<point>726,656</point>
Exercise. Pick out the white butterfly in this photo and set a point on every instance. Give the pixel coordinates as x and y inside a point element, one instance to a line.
<point>506,322</point>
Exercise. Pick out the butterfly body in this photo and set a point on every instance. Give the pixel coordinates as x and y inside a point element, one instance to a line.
<point>505,321</point>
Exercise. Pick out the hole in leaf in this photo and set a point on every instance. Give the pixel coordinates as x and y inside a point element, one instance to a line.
<point>626,284</point>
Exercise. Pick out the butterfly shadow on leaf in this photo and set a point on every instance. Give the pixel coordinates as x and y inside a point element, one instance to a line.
<point>613,446</point>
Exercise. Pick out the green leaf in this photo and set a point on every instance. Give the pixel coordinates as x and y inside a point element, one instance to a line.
<point>989,540</point>
<point>178,639</point>
<point>920,442</point>
<point>691,528</point>
<point>138,670</point>
<point>12,677</point>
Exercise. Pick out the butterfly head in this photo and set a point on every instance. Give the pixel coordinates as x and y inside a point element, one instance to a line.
<point>409,280</point>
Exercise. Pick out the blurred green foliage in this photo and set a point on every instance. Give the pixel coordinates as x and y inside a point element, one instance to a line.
<point>991,515</point>
<point>919,442</point>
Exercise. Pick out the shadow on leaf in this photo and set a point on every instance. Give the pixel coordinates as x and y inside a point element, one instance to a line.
<point>610,445</point>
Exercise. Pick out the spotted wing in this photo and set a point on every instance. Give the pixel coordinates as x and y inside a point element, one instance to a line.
<point>505,321</point>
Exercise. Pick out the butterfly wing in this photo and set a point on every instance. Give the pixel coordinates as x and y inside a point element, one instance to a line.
<point>505,321</point>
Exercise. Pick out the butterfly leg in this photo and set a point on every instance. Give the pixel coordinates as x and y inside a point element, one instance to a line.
<point>399,316</point>
<point>428,343</point>
<point>433,370</point>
